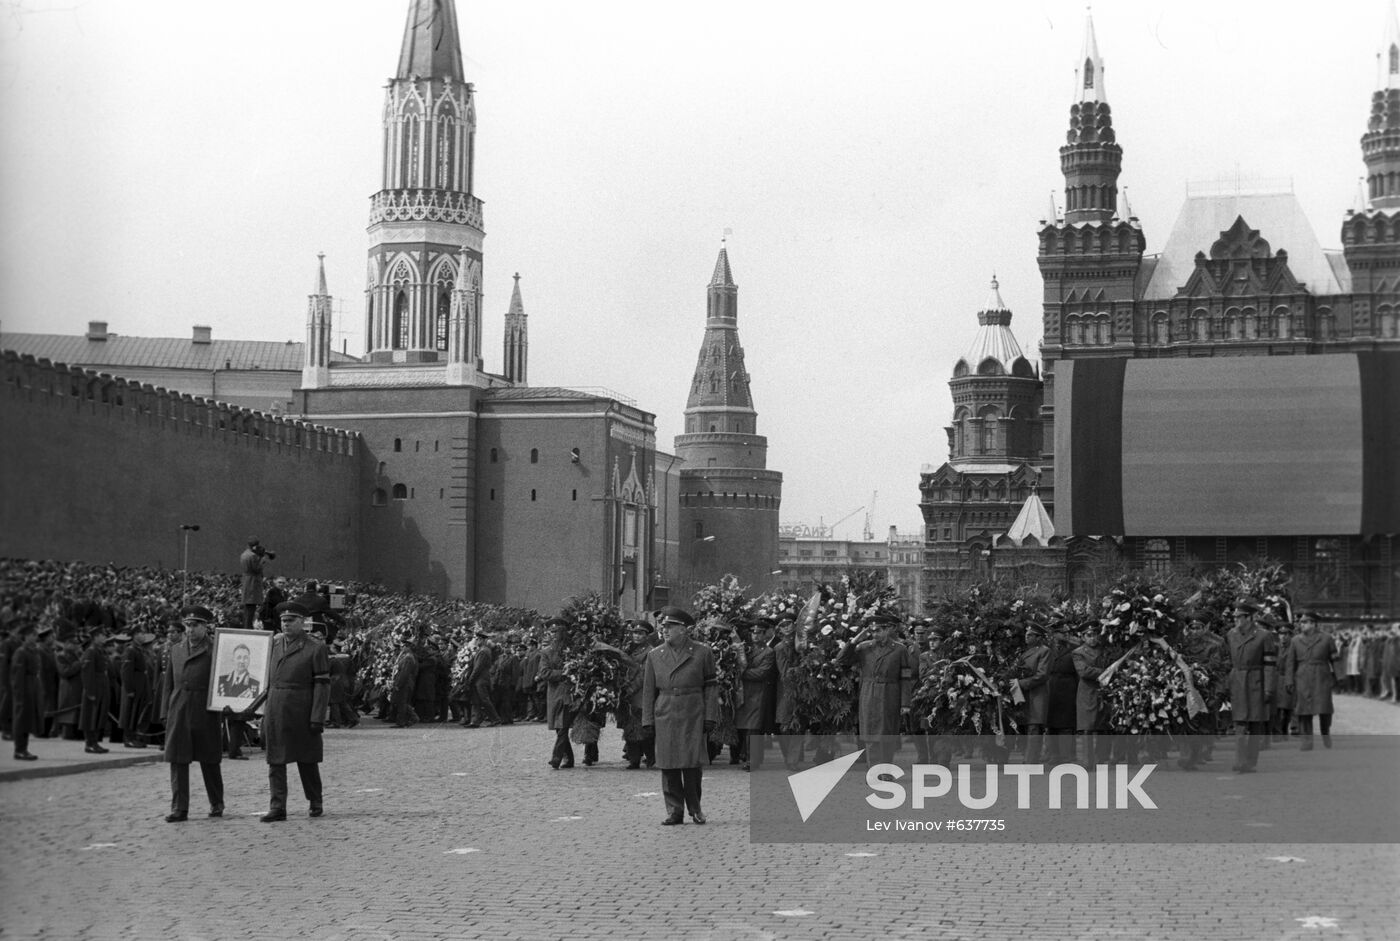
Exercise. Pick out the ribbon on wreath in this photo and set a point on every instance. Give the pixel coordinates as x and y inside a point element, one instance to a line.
<point>1195,702</point>
<point>982,678</point>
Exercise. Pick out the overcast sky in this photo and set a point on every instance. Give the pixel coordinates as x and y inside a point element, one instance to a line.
<point>172,163</point>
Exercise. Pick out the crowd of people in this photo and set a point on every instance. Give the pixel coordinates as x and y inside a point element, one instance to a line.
<point>97,653</point>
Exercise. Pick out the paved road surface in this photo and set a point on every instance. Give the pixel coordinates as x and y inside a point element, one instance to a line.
<point>442,832</point>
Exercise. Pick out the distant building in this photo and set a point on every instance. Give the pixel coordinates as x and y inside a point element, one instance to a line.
<point>807,560</point>
<point>1229,398</point>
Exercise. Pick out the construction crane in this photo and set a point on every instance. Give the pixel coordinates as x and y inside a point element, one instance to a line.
<point>840,521</point>
<point>870,518</point>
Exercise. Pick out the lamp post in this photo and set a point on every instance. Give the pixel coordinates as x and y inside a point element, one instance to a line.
<point>186,529</point>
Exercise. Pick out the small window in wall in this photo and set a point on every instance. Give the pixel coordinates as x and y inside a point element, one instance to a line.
<point>699,530</point>
<point>398,444</point>
<point>532,496</point>
<point>534,455</point>
<point>400,492</point>
<point>411,494</point>
<point>440,493</point>
<point>1157,556</point>
<point>494,456</point>
<point>575,495</point>
<point>415,446</point>
<point>435,445</point>
<point>382,468</point>
<point>378,497</point>
<point>493,493</point>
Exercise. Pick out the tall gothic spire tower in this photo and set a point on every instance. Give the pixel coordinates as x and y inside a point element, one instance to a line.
<point>315,372</point>
<point>1091,158</point>
<point>729,499</point>
<point>1371,247</point>
<point>517,340</point>
<point>425,223</point>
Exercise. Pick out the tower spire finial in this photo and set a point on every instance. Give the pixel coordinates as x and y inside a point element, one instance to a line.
<point>321,274</point>
<point>1091,86</point>
<point>1388,59</point>
<point>431,48</point>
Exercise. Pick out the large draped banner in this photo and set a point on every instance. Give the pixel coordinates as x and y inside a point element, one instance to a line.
<point>1222,446</point>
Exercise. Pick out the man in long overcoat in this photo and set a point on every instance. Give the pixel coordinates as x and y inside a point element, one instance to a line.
<point>638,744</point>
<point>192,732</point>
<point>342,687</point>
<point>1062,687</point>
<point>25,708</point>
<point>479,684</point>
<point>1308,666</point>
<point>680,701</point>
<point>405,683</point>
<point>136,691</point>
<point>529,669</point>
<point>559,703</point>
<point>250,565</point>
<point>298,698</point>
<point>1253,653</point>
<point>92,715</point>
<point>785,658</point>
<point>1034,684</point>
<point>1091,658</point>
<point>754,716</point>
<point>886,685</point>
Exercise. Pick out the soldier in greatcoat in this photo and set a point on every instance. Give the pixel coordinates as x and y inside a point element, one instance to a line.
<point>754,716</point>
<point>49,681</point>
<point>559,704</point>
<point>298,697</point>
<point>886,684</point>
<point>69,657</point>
<point>1309,666</point>
<point>1033,681</point>
<point>136,690</point>
<point>404,684</point>
<point>638,745</point>
<point>25,707</point>
<point>505,678</point>
<point>92,716</point>
<point>785,659</point>
<point>342,687</point>
<point>529,689</point>
<point>1090,658</point>
<point>680,701</point>
<point>192,732</point>
<point>478,683</point>
<point>1253,653</point>
<point>1201,646</point>
<point>1062,686</point>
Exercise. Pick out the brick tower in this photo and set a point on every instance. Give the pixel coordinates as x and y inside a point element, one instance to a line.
<point>729,499</point>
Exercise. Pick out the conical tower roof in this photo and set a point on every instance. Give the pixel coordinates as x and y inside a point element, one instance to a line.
<point>994,340</point>
<point>721,383</point>
<point>431,48</point>
<point>1032,522</point>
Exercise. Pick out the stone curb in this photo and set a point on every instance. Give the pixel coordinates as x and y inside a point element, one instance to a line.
<point>40,770</point>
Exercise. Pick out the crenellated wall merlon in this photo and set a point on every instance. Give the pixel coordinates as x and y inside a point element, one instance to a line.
<point>24,372</point>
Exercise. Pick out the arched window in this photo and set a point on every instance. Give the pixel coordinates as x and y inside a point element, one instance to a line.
<point>699,530</point>
<point>1283,323</point>
<point>494,456</point>
<point>444,304</point>
<point>1200,326</point>
<point>400,492</point>
<point>378,497</point>
<point>400,326</point>
<point>1157,556</point>
<point>532,496</point>
<point>534,455</point>
<point>1088,73</point>
<point>1250,324</point>
<point>1161,329</point>
<point>382,468</point>
<point>398,444</point>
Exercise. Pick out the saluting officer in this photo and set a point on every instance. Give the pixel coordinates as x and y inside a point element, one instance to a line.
<point>886,684</point>
<point>1253,654</point>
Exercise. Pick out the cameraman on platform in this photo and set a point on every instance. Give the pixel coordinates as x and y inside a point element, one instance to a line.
<point>251,565</point>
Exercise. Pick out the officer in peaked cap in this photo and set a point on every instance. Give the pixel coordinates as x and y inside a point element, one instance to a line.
<point>192,733</point>
<point>680,703</point>
<point>1253,656</point>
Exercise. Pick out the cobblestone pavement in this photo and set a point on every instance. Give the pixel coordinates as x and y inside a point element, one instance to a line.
<point>442,832</point>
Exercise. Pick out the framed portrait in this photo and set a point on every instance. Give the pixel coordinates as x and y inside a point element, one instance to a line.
<point>242,662</point>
